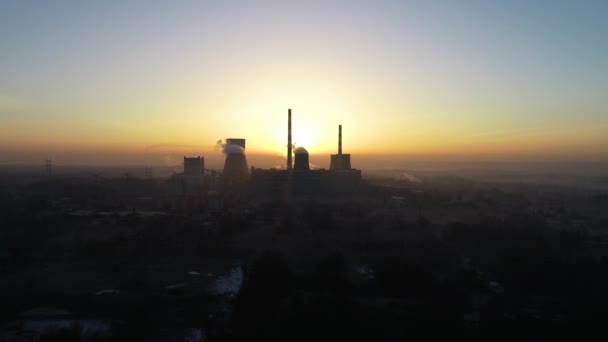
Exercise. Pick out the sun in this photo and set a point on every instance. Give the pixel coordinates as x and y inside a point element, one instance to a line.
<point>299,138</point>
<point>313,130</point>
<point>304,138</point>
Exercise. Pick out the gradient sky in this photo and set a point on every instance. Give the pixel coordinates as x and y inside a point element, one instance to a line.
<point>426,79</point>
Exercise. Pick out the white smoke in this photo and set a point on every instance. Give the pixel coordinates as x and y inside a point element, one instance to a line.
<point>281,162</point>
<point>408,177</point>
<point>229,148</point>
<point>233,149</point>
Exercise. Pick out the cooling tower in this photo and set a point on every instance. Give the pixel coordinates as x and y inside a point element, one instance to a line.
<point>302,163</point>
<point>235,167</point>
<point>236,141</point>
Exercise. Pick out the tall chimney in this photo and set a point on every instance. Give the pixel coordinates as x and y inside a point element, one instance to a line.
<point>289,139</point>
<point>339,139</point>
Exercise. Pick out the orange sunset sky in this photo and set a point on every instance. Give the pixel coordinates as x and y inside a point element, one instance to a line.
<point>117,82</point>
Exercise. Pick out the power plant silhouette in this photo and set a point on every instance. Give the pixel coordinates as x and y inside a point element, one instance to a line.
<point>296,178</point>
<point>339,162</point>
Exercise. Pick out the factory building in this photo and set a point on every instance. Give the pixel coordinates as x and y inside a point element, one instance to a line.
<point>194,171</point>
<point>194,166</point>
<point>193,175</point>
<point>340,161</point>
<point>340,167</point>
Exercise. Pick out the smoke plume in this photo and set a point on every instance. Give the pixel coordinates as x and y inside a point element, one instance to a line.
<point>408,177</point>
<point>229,148</point>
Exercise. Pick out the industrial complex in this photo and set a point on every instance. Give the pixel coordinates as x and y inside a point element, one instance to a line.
<point>296,178</point>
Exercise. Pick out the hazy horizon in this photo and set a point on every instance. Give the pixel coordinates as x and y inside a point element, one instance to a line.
<point>367,162</point>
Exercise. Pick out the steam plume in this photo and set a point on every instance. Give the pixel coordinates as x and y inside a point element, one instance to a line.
<point>229,148</point>
<point>408,177</point>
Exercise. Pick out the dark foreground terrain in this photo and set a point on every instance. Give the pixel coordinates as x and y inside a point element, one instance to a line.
<point>91,259</point>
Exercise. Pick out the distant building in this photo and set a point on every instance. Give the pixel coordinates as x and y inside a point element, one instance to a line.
<point>340,161</point>
<point>194,166</point>
<point>194,171</point>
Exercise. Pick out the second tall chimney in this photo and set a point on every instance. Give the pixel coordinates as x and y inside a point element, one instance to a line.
<point>289,148</point>
<point>339,139</point>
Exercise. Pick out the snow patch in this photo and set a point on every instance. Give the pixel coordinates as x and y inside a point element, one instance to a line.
<point>230,284</point>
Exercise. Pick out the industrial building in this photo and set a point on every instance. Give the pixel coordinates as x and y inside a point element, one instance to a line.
<point>298,179</point>
<point>340,161</point>
<point>194,171</point>
<point>194,166</point>
<point>235,167</point>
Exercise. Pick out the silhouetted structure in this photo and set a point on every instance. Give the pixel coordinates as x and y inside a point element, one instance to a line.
<point>301,180</point>
<point>194,166</point>
<point>289,146</point>
<point>235,166</point>
<point>193,173</point>
<point>302,163</point>
<point>340,161</point>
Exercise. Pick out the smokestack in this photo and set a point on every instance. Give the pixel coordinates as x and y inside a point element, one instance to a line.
<point>289,139</point>
<point>339,139</point>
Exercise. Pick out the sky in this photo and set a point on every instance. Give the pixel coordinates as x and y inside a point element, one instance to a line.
<point>146,82</point>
